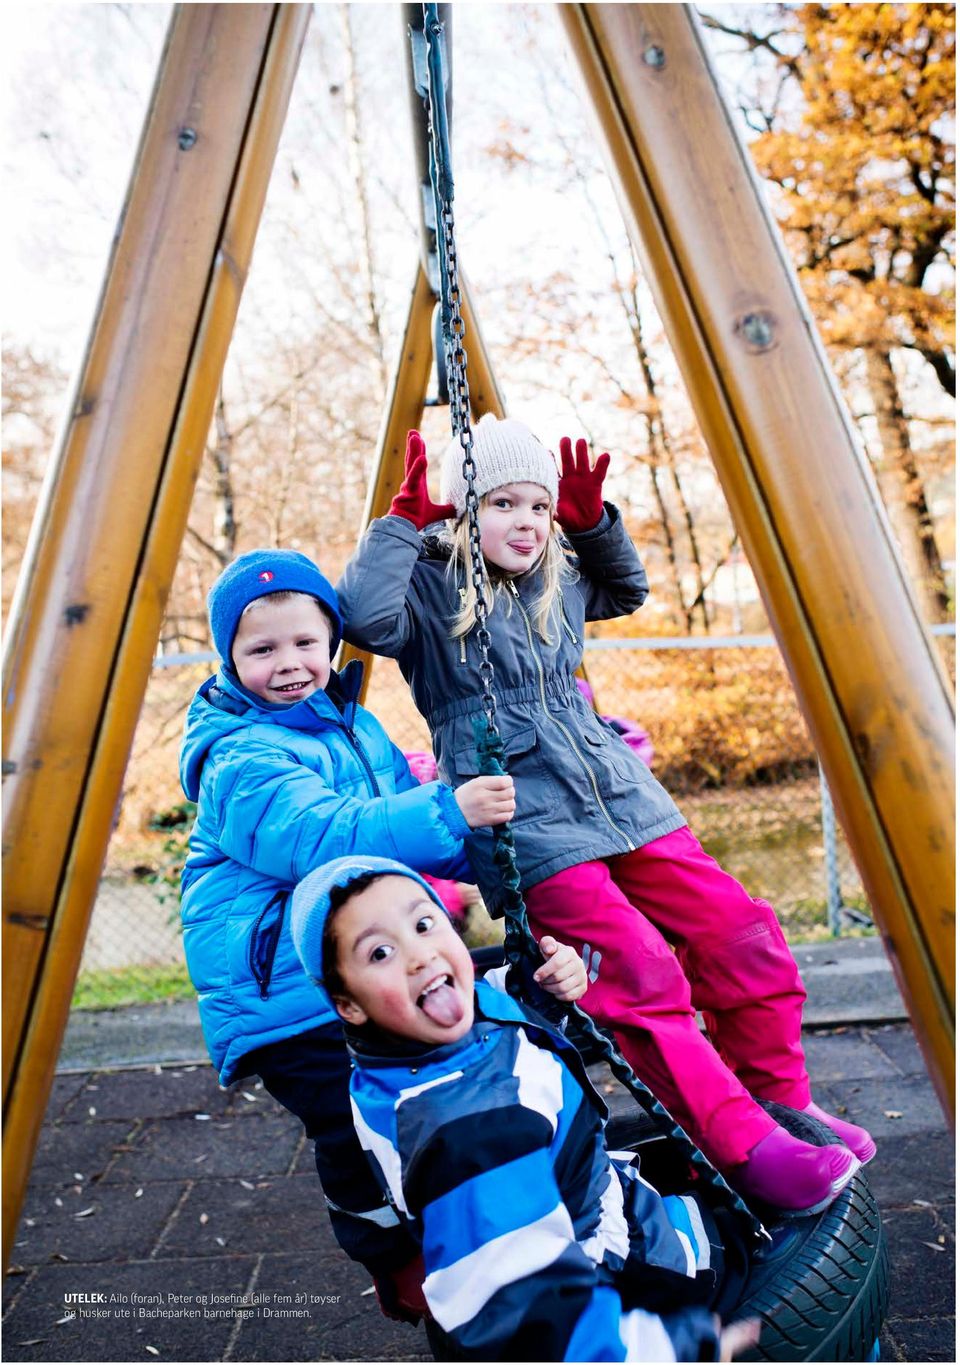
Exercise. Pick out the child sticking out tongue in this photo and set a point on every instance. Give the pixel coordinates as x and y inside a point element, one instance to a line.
<point>442,1004</point>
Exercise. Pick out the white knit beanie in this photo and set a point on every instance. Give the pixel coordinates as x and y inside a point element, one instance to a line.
<point>504,452</point>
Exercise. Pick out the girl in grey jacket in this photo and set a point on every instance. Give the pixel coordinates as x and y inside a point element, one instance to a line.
<point>606,860</point>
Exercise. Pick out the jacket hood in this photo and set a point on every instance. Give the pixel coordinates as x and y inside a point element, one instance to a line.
<point>223,706</point>
<point>433,544</point>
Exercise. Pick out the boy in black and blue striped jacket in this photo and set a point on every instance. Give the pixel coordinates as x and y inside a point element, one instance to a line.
<point>487,1138</point>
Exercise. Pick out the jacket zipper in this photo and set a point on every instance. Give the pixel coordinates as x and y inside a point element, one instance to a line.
<point>562,728</point>
<point>263,982</point>
<point>368,771</point>
<point>567,626</point>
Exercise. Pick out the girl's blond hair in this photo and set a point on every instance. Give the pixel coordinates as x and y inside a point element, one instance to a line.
<point>555,570</point>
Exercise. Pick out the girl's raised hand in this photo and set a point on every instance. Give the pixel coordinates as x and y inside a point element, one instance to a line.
<point>563,974</point>
<point>486,801</point>
<point>412,502</point>
<point>580,497</point>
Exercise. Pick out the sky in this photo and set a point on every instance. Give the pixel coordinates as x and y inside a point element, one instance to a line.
<point>59,206</point>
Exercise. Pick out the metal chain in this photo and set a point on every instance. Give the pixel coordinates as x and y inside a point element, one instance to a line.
<point>521,949</point>
<point>454,333</point>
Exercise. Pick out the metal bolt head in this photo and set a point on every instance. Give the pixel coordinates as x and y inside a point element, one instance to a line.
<point>655,56</point>
<point>758,329</point>
<point>186,139</point>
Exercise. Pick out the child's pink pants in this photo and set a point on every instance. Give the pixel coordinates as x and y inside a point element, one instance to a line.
<point>732,963</point>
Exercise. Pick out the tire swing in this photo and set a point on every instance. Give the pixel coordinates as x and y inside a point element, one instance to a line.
<point>819,1285</point>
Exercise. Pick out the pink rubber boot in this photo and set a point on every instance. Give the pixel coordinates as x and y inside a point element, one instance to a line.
<point>793,1176</point>
<point>857,1139</point>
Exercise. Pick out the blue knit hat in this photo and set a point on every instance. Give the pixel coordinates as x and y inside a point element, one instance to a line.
<point>310,905</point>
<point>257,574</point>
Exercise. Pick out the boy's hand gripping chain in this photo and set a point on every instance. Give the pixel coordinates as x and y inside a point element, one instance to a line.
<point>522,952</point>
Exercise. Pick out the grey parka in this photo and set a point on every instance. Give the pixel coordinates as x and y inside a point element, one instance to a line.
<point>582,794</point>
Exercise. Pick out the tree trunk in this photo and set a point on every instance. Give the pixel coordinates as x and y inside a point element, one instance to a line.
<point>668,540</point>
<point>355,153</point>
<point>902,488</point>
<point>225,526</point>
<point>660,444</point>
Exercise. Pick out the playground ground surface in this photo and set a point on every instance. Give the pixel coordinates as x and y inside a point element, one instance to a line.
<point>174,1200</point>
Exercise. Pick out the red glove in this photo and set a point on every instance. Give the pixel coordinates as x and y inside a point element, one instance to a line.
<point>400,1291</point>
<point>580,497</point>
<point>413,499</point>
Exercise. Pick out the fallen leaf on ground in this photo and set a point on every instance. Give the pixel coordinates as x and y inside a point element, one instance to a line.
<point>85,1213</point>
<point>69,1318</point>
<point>204,1218</point>
<point>893,1114</point>
<point>152,1349</point>
<point>933,1246</point>
<point>924,1203</point>
<point>365,1292</point>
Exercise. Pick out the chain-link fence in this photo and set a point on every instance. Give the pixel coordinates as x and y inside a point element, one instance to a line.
<point>728,742</point>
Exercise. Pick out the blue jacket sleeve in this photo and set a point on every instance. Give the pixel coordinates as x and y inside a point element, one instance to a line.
<point>280,818</point>
<point>403,778</point>
<point>458,869</point>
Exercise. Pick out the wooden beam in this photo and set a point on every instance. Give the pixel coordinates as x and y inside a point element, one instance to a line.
<point>107,535</point>
<point>869,680</point>
<point>405,405</point>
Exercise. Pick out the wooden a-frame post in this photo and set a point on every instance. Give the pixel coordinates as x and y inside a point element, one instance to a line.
<point>873,690</point>
<point>107,535</point>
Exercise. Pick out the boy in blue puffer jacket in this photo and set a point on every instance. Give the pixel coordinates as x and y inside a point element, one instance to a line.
<point>289,772</point>
<point>488,1138</point>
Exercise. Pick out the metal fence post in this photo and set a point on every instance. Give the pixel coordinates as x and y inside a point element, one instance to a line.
<point>829,822</point>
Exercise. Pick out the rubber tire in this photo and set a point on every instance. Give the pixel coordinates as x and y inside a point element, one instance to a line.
<point>822,1291</point>
<point>823,1294</point>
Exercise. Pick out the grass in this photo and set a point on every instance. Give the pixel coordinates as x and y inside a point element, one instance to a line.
<point>120,986</point>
